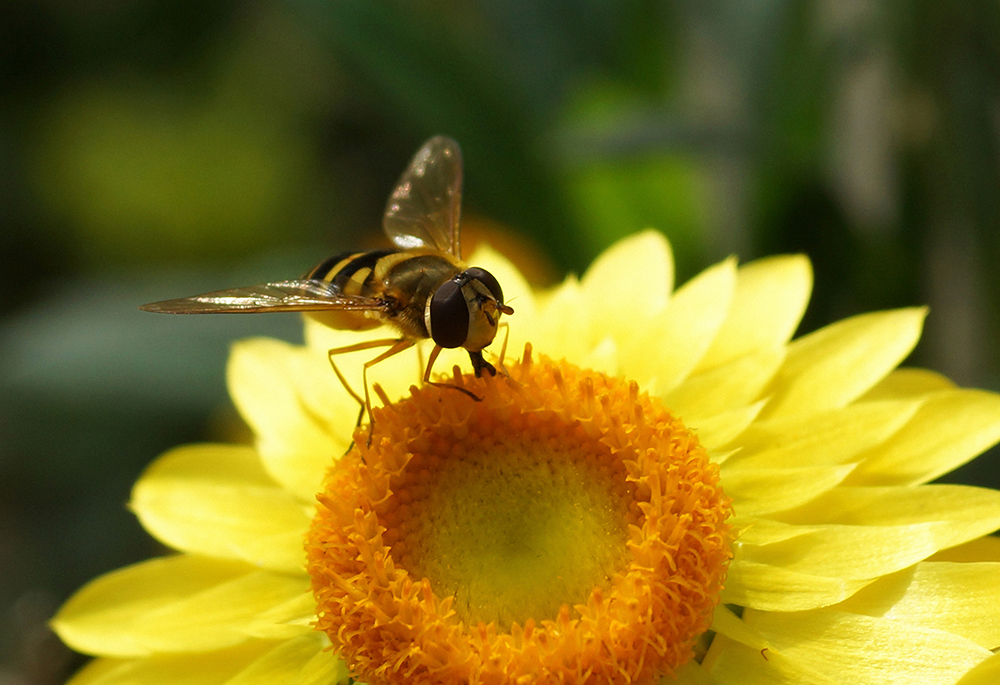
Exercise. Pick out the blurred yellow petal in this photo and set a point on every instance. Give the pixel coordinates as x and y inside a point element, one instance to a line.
<point>284,620</point>
<point>295,445</point>
<point>211,668</point>
<point>734,384</point>
<point>305,660</point>
<point>835,365</point>
<point>769,299</point>
<point>563,323</point>
<point>181,603</point>
<point>630,281</point>
<point>217,500</point>
<point>721,429</point>
<point>692,673</point>
<point>664,349</point>
<point>225,609</point>
<point>908,383</point>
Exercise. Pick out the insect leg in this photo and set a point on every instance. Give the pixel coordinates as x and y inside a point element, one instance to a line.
<point>427,376</point>
<point>397,347</point>
<point>430,363</point>
<point>479,364</point>
<point>503,353</point>
<point>367,345</point>
<point>503,347</point>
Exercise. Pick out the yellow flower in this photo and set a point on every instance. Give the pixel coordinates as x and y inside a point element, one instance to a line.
<point>683,492</point>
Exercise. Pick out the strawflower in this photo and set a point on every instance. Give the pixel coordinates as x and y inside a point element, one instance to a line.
<point>659,486</point>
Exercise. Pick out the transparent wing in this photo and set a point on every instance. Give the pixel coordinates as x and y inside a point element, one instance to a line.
<point>283,296</point>
<point>425,208</point>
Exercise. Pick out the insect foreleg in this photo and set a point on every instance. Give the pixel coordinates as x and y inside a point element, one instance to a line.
<point>427,376</point>
<point>430,363</point>
<point>503,347</point>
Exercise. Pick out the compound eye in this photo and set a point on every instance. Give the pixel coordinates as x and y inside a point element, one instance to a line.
<point>487,279</point>
<point>449,315</point>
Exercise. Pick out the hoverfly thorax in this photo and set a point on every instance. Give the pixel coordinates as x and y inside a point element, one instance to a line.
<point>465,311</point>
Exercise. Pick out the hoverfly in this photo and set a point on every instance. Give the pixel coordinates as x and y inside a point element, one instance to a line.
<point>421,287</point>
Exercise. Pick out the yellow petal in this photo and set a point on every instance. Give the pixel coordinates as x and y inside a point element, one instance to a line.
<point>984,673</point>
<point>759,490</point>
<point>722,429</point>
<point>798,567</point>
<point>968,512</point>
<point>212,668</point>
<point>583,322</point>
<point>734,384</point>
<point>831,367</point>
<point>661,351</point>
<point>825,438</point>
<point>227,607</point>
<point>732,663</point>
<point>774,588</point>
<point>284,620</point>
<point>305,660</point>
<point>296,445</point>
<point>691,673</point>
<point>630,282</point>
<point>770,297</point>
<point>562,329</point>
<point>986,548</point>
<point>867,551</point>
<point>180,603</point>
<point>725,622</point>
<point>957,598</point>
<point>864,649</point>
<point>908,383</point>
<point>216,500</point>
<point>949,429</point>
<point>603,357</point>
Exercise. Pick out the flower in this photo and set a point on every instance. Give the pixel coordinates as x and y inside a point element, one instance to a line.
<point>698,497</point>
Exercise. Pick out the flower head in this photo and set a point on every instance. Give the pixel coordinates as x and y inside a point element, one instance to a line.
<point>453,549</point>
<point>662,484</point>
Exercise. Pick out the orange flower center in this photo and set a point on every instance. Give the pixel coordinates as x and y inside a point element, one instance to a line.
<point>563,528</point>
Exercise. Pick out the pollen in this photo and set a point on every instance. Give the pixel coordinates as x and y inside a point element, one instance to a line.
<point>556,526</point>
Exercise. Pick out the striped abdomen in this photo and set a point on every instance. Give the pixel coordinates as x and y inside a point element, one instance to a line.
<point>402,281</point>
<point>351,272</point>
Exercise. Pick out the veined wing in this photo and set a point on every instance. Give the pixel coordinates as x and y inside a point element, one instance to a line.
<point>282,296</point>
<point>425,208</point>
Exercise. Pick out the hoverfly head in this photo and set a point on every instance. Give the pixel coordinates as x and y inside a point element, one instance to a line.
<point>465,310</point>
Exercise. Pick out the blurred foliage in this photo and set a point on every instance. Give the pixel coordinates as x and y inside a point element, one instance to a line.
<point>154,149</point>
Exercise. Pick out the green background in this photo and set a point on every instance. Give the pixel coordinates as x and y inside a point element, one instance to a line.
<point>153,149</point>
